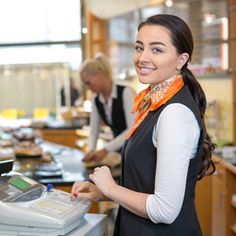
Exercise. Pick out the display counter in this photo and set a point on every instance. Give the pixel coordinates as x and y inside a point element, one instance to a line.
<point>70,160</point>
<point>60,135</point>
<point>63,133</point>
<point>92,225</point>
<point>215,194</point>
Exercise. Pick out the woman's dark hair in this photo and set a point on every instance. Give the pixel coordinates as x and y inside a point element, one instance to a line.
<point>182,39</point>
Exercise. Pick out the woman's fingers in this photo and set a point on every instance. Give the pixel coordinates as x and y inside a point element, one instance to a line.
<point>96,169</point>
<point>91,177</point>
<point>87,195</point>
<point>78,187</point>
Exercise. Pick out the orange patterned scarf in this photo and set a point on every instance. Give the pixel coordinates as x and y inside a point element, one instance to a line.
<point>151,98</point>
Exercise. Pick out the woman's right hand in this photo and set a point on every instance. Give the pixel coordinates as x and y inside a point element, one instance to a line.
<point>89,156</point>
<point>86,190</point>
<point>95,155</point>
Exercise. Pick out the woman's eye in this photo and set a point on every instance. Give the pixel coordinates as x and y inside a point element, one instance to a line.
<point>156,50</point>
<point>138,48</point>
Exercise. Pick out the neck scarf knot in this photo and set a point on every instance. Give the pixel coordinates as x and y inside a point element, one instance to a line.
<point>150,99</point>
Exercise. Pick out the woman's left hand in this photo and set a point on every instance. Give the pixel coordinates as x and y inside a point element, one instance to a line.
<point>103,179</point>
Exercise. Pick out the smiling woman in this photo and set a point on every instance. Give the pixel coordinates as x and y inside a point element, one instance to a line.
<point>168,149</point>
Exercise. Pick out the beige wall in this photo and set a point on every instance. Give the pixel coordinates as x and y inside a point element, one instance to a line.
<point>220,90</point>
<point>219,115</point>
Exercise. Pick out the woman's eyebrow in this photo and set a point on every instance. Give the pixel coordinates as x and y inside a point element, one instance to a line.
<point>137,41</point>
<point>157,43</point>
<point>152,43</point>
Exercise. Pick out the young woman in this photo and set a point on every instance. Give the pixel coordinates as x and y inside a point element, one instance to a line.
<point>111,104</point>
<point>168,148</point>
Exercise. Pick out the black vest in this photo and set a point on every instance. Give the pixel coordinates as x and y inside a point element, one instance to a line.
<point>118,117</point>
<point>138,174</point>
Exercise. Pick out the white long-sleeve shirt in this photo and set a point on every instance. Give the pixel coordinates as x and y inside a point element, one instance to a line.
<point>95,119</point>
<point>175,136</point>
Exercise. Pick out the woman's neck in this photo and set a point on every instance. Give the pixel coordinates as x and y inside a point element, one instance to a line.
<point>163,82</point>
<point>106,93</point>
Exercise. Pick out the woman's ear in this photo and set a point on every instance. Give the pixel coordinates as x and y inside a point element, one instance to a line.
<point>183,58</point>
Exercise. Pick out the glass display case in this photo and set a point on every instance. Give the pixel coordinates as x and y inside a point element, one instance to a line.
<point>207,19</point>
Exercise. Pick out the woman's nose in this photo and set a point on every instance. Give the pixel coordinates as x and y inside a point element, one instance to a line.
<point>144,56</point>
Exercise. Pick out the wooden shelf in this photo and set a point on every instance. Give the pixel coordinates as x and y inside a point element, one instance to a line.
<point>233,229</point>
<point>233,204</point>
<point>216,191</point>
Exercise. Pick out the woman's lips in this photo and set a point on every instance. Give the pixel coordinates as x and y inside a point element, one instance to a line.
<point>145,70</point>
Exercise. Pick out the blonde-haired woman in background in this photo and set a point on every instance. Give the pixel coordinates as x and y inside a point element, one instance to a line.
<point>111,104</point>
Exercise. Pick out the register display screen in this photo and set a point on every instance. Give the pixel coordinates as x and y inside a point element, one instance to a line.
<point>19,183</point>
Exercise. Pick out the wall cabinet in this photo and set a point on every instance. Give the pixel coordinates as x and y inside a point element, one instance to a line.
<point>218,202</point>
<point>231,203</point>
<point>66,137</point>
<point>97,35</point>
<point>215,208</point>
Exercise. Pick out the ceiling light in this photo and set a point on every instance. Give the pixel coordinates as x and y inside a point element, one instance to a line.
<point>169,3</point>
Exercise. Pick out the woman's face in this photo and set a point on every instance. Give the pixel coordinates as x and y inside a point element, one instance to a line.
<point>155,57</point>
<point>94,82</point>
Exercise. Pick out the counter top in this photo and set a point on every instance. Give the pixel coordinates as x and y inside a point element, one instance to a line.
<point>71,161</point>
<point>225,163</point>
<point>74,169</point>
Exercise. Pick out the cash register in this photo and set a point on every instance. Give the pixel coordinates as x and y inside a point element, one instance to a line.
<point>30,208</point>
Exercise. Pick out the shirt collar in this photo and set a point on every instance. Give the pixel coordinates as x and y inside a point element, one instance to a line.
<point>113,94</point>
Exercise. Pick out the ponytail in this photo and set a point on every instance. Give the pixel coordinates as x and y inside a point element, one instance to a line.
<point>207,165</point>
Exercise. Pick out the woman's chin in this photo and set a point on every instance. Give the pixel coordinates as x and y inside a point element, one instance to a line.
<point>143,81</point>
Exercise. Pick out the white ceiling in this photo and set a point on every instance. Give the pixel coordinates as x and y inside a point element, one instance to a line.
<point>111,8</point>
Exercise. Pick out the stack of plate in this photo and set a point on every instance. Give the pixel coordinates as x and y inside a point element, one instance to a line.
<point>48,170</point>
